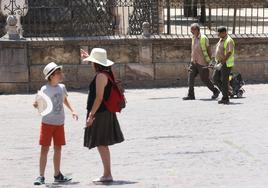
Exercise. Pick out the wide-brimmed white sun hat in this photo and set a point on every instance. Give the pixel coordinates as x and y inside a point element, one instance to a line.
<point>99,56</point>
<point>50,68</point>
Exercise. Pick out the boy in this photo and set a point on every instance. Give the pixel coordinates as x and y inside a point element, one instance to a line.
<point>52,125</point>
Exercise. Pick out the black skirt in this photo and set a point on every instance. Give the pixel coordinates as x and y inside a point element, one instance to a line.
<point>104,131</point>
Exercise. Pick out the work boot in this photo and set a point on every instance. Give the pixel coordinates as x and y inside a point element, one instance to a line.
<point>223,101</point>
<point>189,98</point>
<point>215,94</point>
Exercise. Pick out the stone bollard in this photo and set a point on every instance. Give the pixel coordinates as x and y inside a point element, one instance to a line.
<point>146,29</point>
<point>145,48</point>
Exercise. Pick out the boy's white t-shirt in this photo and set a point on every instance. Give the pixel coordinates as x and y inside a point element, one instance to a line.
<point>56,95</point>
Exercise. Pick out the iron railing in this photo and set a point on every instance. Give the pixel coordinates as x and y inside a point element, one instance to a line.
<point>79,18</point>
<point>240,17</point>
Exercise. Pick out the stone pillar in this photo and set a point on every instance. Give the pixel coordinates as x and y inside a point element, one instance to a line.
<point>120,16</point>
<point>141,71</point>
<point>161,16</point>
<point>14,72</point>
<point>190,8</point>
<point>145,53</point>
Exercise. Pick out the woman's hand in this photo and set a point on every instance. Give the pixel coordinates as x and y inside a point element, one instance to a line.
<point>90,120</point>
<point>75,116</point>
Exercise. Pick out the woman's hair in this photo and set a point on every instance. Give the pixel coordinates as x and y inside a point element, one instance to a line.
<point>99,68</point>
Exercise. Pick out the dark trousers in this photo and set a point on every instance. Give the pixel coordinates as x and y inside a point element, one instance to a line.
<point>194,70</point>
<point>221,79</point>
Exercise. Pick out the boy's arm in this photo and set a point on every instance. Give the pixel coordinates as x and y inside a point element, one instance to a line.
<point>68,105</point>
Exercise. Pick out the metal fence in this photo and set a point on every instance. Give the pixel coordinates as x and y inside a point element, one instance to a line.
<point>240,18</point>
<point>79,18</point>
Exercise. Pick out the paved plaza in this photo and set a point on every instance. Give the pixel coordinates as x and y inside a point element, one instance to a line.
<point>169,143</point>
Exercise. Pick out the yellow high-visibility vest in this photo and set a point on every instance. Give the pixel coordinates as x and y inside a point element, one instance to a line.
<point>203,47</point>
<point>230,60</point>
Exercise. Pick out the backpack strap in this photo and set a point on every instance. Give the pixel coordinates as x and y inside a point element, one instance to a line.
<point>110,77</point>
<point>116,84</point>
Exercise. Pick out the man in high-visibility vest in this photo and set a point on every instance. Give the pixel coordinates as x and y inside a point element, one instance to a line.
<point>200,59</point>
<point>224,56</point>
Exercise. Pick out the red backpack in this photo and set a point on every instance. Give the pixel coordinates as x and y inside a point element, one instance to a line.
<point>116,100</point>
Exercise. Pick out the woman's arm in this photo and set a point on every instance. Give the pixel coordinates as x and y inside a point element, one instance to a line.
<point>101,82</point>
<point>68,105</point>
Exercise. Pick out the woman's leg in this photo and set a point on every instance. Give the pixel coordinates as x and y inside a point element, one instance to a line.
<point>43,160</point>
<point>56,160</point>
<point>106,160</point>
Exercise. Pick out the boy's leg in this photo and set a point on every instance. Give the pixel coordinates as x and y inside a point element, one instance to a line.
<point>43,160</point>
<point>59,141</point>
<point>106,160</point>
<point>45,141</point>
<point>57,159</point>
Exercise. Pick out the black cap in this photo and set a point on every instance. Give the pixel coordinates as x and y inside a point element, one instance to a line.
<point>221,29</point>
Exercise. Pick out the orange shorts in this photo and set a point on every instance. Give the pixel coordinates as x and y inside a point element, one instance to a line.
<point>52,131</point>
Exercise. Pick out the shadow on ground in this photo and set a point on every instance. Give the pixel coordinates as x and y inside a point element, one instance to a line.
<point>57,185</point>
<point>159,98</point>
<point>116,182</point>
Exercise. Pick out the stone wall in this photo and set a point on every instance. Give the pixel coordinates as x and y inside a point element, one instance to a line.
<point>158,61</point>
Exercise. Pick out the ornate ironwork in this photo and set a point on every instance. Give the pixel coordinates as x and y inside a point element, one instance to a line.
<point>69,18</point>
<point>14,8</point>
<point>144,11</point>
<point>75,18</point>
<point>98,21</point>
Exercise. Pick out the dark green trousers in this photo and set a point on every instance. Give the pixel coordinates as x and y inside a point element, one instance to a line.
<point>221,79</point>
<point>194,70</point>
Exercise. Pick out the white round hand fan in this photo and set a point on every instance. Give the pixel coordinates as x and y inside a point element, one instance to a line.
<point>44,104</point>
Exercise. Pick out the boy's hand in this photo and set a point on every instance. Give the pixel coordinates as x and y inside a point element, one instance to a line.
<point>75,116</point>
<point>35,104</point>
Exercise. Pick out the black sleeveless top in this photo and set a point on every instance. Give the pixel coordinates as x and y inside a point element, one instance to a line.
<point>92,95</point>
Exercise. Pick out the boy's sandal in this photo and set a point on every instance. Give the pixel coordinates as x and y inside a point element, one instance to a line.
<point>39,180</point>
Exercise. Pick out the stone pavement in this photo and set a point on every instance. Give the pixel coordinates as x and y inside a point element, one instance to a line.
<point>169,142</point>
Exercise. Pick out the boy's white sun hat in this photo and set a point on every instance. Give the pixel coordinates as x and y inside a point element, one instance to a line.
<point>50,68</point>
<point>99,56</point>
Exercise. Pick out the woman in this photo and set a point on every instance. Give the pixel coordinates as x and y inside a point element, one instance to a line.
<point>102,127</point>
